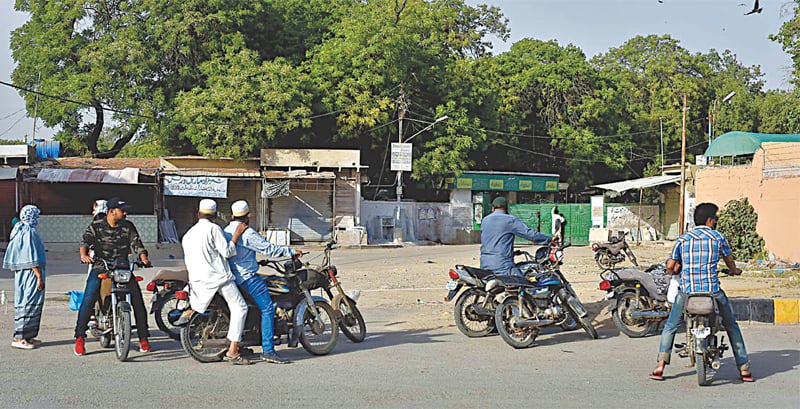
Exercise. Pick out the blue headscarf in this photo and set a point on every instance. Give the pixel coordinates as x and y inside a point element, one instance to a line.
<point>25,247</point>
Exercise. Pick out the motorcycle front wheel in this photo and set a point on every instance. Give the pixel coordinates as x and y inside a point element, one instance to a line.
<point>604,259</point>
<point>167,310</point>
<point>627,304</point>
<point>577,310</point>
<point>204,336</point>
<point>122,333</point>
<point>352,323</point>
<point>468,321</point>
<point>319,334</point>
<point>506,315</point>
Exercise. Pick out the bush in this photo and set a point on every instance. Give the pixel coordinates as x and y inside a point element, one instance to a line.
<point>737,221</point>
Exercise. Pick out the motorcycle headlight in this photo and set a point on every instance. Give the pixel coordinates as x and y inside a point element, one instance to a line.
<point>122,276</point>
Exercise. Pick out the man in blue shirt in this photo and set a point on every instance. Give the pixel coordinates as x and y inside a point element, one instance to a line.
<point>244,267</point>
<point>695,257</point>
<point>497,239</point>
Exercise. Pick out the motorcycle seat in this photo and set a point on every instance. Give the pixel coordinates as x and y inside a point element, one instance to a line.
<point>479,273</point>
<point>171,275</point>
<point>515,281</point>
<point>614,248</point>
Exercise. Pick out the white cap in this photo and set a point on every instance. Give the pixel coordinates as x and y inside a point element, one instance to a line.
<point>240,208</point>
<point>208,206</point>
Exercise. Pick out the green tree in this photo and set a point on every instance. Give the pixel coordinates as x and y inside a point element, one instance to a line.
<point>738,221</point>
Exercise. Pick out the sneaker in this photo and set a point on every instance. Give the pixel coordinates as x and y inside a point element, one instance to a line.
<point>274,358</point>
<point>144,346</point>
<point>21,344</point>
<point>80,348</point>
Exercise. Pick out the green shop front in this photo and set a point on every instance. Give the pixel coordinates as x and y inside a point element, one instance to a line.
<point>531,197</point>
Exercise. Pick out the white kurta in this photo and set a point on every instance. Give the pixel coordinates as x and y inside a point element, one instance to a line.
<point>205,252</point>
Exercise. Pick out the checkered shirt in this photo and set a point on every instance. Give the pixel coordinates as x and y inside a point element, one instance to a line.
<point>698,251</point>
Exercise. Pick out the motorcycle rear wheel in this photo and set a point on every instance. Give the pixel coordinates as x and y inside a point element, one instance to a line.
<point>204,336</point>
<point>319,335</point>
<point>351,322</point>
<point>700,364</point>
<point>632,327</point>
<point>467,321</point>
<point>506,314</point>
<point>122,334</point>
<point>167,310</point>
<point>604,259</point>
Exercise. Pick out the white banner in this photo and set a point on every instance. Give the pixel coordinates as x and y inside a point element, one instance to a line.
<point>120,176</point>
<point>197,186</point>
<point>401,157</point>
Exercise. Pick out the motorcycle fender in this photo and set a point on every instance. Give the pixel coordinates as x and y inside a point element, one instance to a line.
<point>125,306</point>
<point>612,304</point>
<point>299,312</point>
<point>502,297</point>
<point>337,299</point>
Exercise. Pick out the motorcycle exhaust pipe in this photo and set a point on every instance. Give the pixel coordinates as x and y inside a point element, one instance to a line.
<point>650,314</point>
<point>534,323</point>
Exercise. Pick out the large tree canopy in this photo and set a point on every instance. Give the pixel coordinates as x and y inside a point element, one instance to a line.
<point>227,78</point>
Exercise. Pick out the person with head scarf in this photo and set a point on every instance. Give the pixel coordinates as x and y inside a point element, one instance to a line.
<point>25,256</point>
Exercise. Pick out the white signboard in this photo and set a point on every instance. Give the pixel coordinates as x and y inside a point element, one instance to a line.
<point>597,211</point>
<point>401,157</point>
<point>197,186</point>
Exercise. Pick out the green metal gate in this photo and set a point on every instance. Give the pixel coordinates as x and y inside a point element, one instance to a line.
<point>578,216</point>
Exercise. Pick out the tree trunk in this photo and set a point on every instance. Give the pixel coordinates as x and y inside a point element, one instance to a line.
<point>91,141</point>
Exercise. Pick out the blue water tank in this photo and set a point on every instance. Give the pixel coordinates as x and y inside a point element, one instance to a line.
<point>47,149</point>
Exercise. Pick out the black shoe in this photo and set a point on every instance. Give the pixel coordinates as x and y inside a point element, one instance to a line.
<point>274,358</point>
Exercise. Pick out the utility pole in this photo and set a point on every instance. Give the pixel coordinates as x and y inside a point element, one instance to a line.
<point>661,129</point>
<point>683,170</point>
<point>35,110</point>
<point>401,113</point>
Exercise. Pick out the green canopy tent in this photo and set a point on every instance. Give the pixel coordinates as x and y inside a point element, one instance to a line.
<point>744,143</point>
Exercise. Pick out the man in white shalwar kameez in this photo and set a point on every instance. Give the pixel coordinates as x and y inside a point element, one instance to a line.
<point>206,252</point>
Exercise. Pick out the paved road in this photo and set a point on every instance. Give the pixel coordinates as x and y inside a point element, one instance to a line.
<point>423,368</point>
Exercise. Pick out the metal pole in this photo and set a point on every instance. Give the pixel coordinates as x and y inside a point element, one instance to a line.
<point>683,170</point>
<point>399,188</point>
<point>35,110</point>
<point>661,129</point>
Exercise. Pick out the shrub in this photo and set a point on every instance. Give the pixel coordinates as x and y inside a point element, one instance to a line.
<point>737,221</point>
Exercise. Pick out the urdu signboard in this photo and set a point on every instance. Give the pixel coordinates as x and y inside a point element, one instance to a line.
<point>196,186</point>
<point>401,157</point>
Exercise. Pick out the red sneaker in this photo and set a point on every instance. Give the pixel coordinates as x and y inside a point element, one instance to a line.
<point>144,346</point>
<point>80,348</point>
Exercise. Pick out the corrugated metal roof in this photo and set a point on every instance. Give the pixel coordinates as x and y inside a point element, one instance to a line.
<point>624,185</point>
<point>222,172</point>
<point>744,143</point>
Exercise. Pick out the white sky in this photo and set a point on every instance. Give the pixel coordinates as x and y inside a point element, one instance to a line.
<point>593,25</point>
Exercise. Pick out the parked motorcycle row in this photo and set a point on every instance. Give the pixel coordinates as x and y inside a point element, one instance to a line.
<point>517,307</point>
<point>640,300</point>
<point>301,318</point>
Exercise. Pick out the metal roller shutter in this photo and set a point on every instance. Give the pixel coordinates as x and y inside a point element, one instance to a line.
<point>307,212</point>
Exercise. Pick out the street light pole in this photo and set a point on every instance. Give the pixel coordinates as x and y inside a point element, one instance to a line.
<point>399,188</point>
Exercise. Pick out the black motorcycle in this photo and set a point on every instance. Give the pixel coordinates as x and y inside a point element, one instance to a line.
<point>164,305</point>
<point>541,298</point>
<point>299,316</point>
<point>637,298</point>
<point>703,347</point>
<point>112,312</point>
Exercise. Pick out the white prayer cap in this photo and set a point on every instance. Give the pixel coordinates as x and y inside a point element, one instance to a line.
<point>240,208</point>
<point>208,206</point>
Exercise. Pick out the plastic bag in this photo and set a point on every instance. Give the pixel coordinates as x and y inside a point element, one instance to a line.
<point>75,299</point>
<point>674,287</point>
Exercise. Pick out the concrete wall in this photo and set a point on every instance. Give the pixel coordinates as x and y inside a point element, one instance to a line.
<point>776,199</point>
<point>70,228</point>
<point>626,218</point>
<point>439,222</point>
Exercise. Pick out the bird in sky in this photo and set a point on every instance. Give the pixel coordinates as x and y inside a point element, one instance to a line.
<point>755,9</point>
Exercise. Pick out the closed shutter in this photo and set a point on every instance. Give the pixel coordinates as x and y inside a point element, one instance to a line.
<point>307,212</point>
<point>345,203</point>
<point>7,208</point>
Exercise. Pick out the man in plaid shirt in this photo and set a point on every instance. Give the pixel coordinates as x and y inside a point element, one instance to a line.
<point>695,257</point>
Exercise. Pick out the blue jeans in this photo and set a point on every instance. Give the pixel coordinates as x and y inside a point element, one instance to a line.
<point>257,289</point>
<point>92,292</point>
<point>728,321</point>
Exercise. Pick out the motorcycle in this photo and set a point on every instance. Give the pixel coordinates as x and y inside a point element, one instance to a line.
<point>299,316</point>
<point>350,320</point>
<point>608,255</point>
<point>637,299</point>
<point>540,299</point>
<point>703,348</point>
<point>112,312</point>
<point>164,305</point>
<point>474,308</point>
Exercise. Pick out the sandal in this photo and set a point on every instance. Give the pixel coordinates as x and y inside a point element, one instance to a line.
<point>22,344</point>
<point>237,360</point>
<point>746,378</point>
<point>34,341</point>
<point>656,376</point>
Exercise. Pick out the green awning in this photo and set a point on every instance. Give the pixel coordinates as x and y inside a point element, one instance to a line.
<point>745,143</point>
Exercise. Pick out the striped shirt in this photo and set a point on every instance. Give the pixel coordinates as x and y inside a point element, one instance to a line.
<point>698,251</point>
